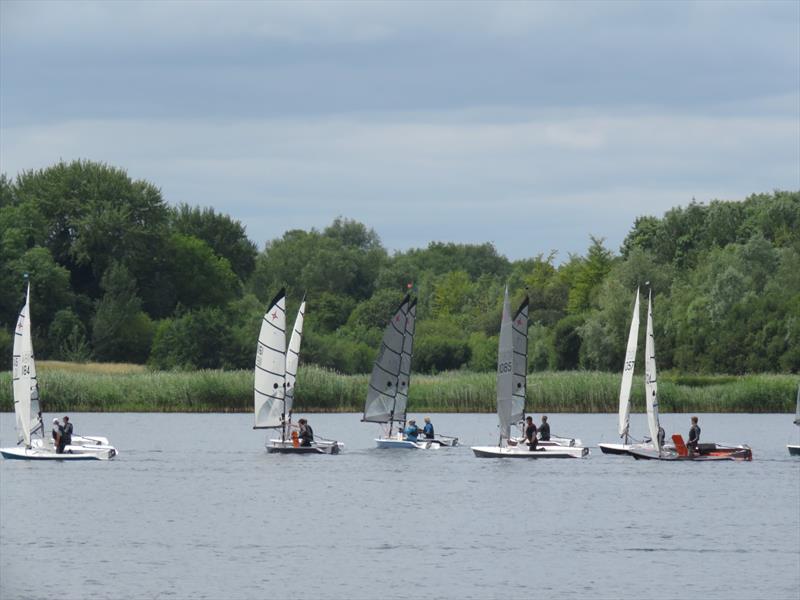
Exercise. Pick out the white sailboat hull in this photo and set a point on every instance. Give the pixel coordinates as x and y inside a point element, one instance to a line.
<point>524,452</point>
<point>316,447</point>
<point>623,449</point>
<point>71,453</point>
<point>397,444</point>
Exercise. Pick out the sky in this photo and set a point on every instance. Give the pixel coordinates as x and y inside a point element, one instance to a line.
<point>529,125</point>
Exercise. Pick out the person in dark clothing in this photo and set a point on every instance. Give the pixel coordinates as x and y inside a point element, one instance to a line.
<point>544,430</point>
<point>530,433</point>
<point>694,436</point>
<point>66,435</point>
<point>306,433</point>
<point>661,436</point>
<point>428,429</point>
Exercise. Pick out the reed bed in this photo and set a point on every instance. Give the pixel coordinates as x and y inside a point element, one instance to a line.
<point>122,389</point>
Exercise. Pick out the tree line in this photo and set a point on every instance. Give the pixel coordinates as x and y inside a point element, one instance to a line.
<point>118,275</point>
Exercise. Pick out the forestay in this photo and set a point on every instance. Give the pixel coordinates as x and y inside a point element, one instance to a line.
<point>26,387</point>
<point>382,392</point>
<point>650,379</point>
<point>293,357</point>
<point>512,366</point>
<point>270,370</point>
<point>404,377</point>
<point>627,372</point>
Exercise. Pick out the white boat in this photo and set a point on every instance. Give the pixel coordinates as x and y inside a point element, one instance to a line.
<point>31,441</point>
<point>512,373</point>
<point>794,449</point>
<point>389,383</point>
<point>274,379</point>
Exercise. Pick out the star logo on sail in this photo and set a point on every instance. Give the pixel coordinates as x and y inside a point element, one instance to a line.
<point>274,315</point>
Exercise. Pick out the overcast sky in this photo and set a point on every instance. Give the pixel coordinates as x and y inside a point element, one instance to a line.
<point>530,125</point>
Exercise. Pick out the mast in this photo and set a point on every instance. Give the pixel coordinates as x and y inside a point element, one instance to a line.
<point>797,410</point>
<point>650,379</point>
<point>627,373</point>
<point>270,369</point>
<point>382,391</point>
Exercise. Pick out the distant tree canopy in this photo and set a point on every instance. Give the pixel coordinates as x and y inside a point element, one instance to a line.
<point>119,275</point>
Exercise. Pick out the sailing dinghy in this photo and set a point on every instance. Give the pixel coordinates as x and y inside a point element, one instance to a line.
<point>794,449</point>
<point>387,394</point>
<point>628,442</point>
<point>275,376</point>
<point>679,451</point>
<point>31,441</point>
<point>512,370</point>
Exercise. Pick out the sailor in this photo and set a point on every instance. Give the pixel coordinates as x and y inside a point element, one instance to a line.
<point>661,436</point>
<point>66,435</point>
<point>411,431</point>
<point>530,433</point>
<point>544,430</point>
<point>57,435</point>
<point>694,436</point>
<point>428,429</point>
<point>306,433</point>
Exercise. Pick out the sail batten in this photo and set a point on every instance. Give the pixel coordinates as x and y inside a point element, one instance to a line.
<point>270,366</point>
<point>650,378</point>
<point>380,403</point>
<point>627,371</point>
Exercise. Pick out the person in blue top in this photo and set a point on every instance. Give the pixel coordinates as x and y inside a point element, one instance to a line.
<point>411,431</point>
<point>428,429</point>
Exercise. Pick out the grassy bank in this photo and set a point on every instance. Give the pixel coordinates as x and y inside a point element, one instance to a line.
<point>132,388</point>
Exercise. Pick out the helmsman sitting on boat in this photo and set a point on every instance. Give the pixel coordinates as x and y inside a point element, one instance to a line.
<point>544,430</point>
<point>427,431</point>
<point>530,433</point>
<point>306,433</point>
<point>411,431</point>
<point>694,437</point>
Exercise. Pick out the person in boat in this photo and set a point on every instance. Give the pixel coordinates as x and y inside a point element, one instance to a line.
<point>66,435</point>
<point>694,436</point>
<point>544,430</point>
<point>427,430</point>
<point>411,431</point>
<point>662,435</point>
<point>57,435</point>
<point>306,433</point>
<point>530,433</point>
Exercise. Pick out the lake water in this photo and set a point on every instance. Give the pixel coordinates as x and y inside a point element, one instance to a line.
<point>194,508</point>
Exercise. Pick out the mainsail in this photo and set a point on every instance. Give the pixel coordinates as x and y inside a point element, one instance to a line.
<point>404,377</point>
<point>650,382</point>
<point>270,371</point>
<point>512,366</point>
<point>627,372</point>
<point>293,357</point>
<point>382,392</point>
<point>797,410</point>
<point>26,387</point>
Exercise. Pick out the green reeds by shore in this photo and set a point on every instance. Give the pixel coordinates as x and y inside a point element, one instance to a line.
<point>131,388</point>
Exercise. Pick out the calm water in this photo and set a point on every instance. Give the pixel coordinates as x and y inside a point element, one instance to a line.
<point>194,508</point>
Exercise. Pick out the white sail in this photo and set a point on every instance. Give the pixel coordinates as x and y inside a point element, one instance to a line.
<point>381,394</point>
<point>23,367</point>
<point>627,371</point>
<point>650,379</point>
<point>293,357</point>
<point>404,377</point>
<point>797,410</point>
<point>270,370</point>
<point>512,365</point>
